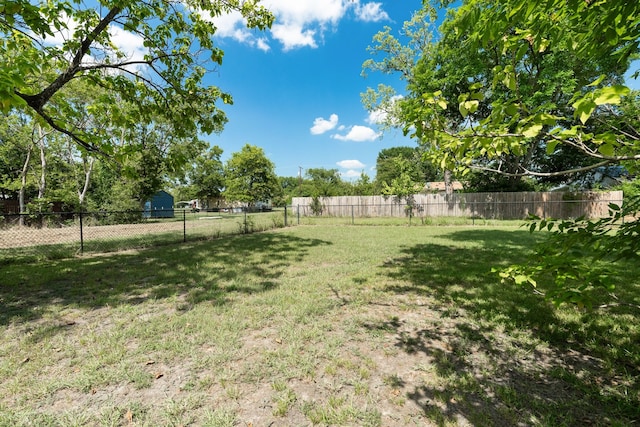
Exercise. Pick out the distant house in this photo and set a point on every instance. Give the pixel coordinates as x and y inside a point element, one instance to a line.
<point>439,187</point>
<point>160,206</point>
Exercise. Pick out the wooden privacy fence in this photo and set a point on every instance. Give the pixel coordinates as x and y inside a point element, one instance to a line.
<point>479,205</point>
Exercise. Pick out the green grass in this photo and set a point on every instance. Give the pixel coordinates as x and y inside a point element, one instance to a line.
<point>321,324</point>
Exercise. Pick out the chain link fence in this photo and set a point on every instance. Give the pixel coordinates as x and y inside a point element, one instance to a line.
<point>63,234</point>
<point>60,235</point>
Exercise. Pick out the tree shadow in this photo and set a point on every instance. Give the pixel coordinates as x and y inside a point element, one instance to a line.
<point>201,271</point>
<point>502,355</point>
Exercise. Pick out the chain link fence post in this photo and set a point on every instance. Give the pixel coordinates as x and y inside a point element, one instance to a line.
<point>81,235</point>
<point>184,226</point>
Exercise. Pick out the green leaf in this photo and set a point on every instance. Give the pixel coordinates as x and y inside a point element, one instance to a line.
<point>472,106</point>
<point>520,279</point>
<point>511,109</point>
<point>509,81</point>
<point>597,81</point>
<point>551,146</point>
<point>606,150</point>
<point>532,131</point>
<point>610,95</point>
<point>584,108</point>
<point>463,109</point>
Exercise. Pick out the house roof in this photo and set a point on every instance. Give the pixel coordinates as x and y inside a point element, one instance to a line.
<point>439,186</point>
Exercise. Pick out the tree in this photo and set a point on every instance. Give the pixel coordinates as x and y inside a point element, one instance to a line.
<point>403,186</point>
<point>364,186</point>
<point>399,58</point>
<point>291,186</point>
<point>536,90</point>
<point>157,155</point>
<point>508,80</point>
<point>207,177</point>
<point>419,170</point>
<point>324,182</point>
<point>250,177</point>
<point>165,80</point>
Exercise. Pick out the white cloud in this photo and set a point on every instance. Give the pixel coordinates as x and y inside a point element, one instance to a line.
<point>381,115</point>
<point>321,125</point>
<point>351,174</point>
<point>234,26</point>
<point>358,134</point>
<point>351,164</point>
<point>293,36</point>
<point>262,44</point>
<point>298,23</point>
<point>132,45</point>
<point>306,11</point>
<point>301,23</point>
<point>228,25</point>
<point>127,44</point>
<point>376,117</point>
<point>371,12</point>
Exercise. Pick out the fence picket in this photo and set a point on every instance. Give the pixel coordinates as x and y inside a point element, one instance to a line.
<point>480,205</point>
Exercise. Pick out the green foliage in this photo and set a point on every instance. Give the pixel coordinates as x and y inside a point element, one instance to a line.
<point>574,264</point>
<point>207,176</point>
<point>364,186</point>
<point>167,82</point>
<point>631,188</point>
<point>320,182</point>
<point>324,182</point>
<point>489,182</point>
<point>250,177</point>
<point>419,169</point>
<point>316,206</point>
<point>508,87</point>
<point>529,87</point>
<point>403,187</point>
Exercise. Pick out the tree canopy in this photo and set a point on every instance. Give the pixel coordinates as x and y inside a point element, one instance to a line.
<point>250,177</point>
<point>419,170</point>
<point>46,46</point>
<point>507,78</point>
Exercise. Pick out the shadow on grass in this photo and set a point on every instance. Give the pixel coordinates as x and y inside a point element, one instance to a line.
<point>503,356</point>
<point>201,271</point>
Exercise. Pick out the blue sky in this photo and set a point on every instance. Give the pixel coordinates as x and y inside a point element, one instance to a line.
<point>296,88</point>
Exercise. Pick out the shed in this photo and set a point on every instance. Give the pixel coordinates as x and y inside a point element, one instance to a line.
<point>160,206</point>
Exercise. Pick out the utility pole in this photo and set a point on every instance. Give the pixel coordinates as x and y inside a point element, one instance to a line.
<point>299,181</point>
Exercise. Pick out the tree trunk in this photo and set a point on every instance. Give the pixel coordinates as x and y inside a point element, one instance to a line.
<point>23,185</point>
<point>448,184</point>
<point>88,167</point>
<point>43,164</point>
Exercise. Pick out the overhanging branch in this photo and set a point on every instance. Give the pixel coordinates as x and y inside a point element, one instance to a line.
<point>527,172</point>
<point>38,100</point>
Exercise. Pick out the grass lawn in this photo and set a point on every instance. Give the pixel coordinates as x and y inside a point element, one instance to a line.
<point>311,325</point>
